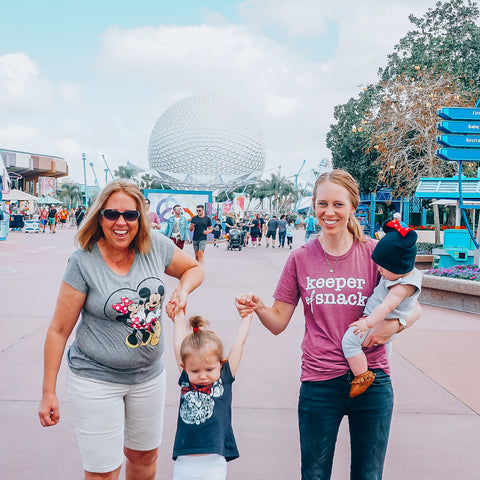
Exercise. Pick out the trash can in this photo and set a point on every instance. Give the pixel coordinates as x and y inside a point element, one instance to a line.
<point>458,249</point>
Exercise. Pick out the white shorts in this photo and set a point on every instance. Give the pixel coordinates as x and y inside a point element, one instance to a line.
<point>109,416</point>
<point>200,467</point>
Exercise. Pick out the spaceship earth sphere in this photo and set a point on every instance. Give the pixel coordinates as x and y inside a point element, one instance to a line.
<point>206,142</point>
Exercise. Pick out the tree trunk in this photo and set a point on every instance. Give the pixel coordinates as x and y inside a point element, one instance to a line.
<point>436,220</point>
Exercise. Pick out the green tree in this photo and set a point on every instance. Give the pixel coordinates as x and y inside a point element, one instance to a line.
<point>348,139</point>
<point>146,181</point>
<point>445,39</point>
<point>71,194</point>
<point>403,130</point>
<point>125,172</point>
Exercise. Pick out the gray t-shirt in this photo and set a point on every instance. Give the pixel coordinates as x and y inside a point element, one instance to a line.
<point>119,337</point>
<point>406,305</point>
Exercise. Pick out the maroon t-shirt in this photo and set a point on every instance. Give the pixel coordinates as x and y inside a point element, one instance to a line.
<point>331,301</point>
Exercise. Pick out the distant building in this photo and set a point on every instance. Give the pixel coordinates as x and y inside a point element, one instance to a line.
<point>34,173</point>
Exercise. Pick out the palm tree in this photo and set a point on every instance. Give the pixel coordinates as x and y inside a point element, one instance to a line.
<point>71,193</point>
<point>276,188</point>
<point>124,172</point>
<point>263,191</point>
<point>147,181</point>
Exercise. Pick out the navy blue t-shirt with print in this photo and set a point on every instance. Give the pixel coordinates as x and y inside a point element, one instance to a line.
<point>204,424</point>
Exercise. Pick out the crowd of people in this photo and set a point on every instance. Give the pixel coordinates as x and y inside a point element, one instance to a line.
<point>52,216</point>
<point>113,293</point>
<point>276,230</point>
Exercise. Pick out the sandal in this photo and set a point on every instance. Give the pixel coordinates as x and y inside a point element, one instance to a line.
<point>361,382</point>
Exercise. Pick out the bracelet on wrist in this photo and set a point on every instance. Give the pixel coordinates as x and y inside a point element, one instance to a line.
<point>402,325</point>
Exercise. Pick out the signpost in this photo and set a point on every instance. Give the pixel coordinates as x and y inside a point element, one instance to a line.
<point>460,128</point>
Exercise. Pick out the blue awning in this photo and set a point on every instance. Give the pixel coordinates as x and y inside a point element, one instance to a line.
<point>448,188</point>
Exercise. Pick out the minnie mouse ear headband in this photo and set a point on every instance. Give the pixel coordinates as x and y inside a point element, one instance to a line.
<point>396,251</point>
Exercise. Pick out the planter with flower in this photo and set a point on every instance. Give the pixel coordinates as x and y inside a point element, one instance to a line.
<point>455,287</point>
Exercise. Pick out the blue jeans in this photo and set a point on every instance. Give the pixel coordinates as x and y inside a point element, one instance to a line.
<point>308,234</point>
<point>321,408</point>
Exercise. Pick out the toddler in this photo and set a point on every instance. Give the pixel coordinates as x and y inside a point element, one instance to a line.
<point>204,441</point>
<point>393,298</point>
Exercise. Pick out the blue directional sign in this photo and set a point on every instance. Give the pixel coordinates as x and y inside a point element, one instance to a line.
<point>459,127</point>
<point>459,154</point>
<point>457,113</point>
<point>459,141</point>
<point>463,140</point>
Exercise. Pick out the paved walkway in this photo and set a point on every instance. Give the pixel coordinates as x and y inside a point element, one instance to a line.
<point>436,424</point>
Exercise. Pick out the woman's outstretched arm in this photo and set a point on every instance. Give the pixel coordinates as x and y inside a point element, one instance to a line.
<point>275,318</point>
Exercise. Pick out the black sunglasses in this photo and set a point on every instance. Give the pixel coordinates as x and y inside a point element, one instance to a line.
<point>113,215</point>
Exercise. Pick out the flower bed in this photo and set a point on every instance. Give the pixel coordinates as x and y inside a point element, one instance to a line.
<point>431,227</point>
<point>464,272</point>
<point>454,287</point>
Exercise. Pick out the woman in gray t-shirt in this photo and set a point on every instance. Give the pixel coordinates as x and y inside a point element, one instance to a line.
<point>115,284</point>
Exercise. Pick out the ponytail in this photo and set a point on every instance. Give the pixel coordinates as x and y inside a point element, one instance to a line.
<point>200,337</point>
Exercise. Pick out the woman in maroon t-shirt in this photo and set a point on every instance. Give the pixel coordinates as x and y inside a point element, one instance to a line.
<point>333,274</point>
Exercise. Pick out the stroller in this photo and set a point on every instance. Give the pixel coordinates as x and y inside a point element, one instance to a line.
<point>234,239</point>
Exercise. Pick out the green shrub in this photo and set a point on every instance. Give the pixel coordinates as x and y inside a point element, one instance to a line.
<point>427,247</point>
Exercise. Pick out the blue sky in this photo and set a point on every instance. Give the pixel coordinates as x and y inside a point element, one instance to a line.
<point>94,76</point>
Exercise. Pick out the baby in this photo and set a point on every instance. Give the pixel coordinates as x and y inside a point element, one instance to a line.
<point>393,298</point>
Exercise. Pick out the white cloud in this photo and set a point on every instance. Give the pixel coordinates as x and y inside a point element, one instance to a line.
<point>212,18</point>
<point>259,63</point>
<point>300,18</point>
<point>13,136</point>
<point>21,85</point>
<point>291,94</point>
<point>71,94</point>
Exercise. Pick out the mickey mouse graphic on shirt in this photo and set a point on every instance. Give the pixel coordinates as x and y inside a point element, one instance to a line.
<point>140,309</point>
<point>197,401</point>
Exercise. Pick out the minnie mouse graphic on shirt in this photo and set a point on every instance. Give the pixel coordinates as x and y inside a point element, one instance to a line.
<point>140,309</point>
<point>197,401</point>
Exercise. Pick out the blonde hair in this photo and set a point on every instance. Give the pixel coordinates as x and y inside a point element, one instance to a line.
<point>91,231</point>
<point>199,338</point>
<point>345,180</point>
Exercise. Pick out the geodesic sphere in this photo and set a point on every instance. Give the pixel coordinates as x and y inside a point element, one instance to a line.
<point>206,141</point>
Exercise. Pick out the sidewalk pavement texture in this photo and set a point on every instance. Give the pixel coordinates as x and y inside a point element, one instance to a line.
<point>435,431</point>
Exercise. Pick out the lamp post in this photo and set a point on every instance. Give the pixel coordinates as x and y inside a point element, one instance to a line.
<point>84,159</point>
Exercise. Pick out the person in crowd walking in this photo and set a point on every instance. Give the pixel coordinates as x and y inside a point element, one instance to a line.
<point>272,226</point>
<point>52,212</point>
<point>152,216</point>
<point>80,215</point>
<point>261,219</point>
<point>289,233</point>
<point>217,232</point>
<point>177,227</point>
<point>255,230</point>
<point>201,226</point>
<point>282,230</point>
<point>71,218</point>
<point>229,222</point>
<point>43,218</point>
<point>310,224</point>
<point>63,214</point>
